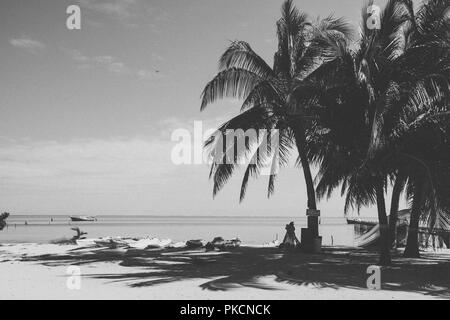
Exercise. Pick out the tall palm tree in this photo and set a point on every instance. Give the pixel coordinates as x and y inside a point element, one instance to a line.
<point>416,108</point>
<point>386,94</point>
<point>377,102</point>
<point>350,89</point>
<point>243,74</point>
<point>398,187</point>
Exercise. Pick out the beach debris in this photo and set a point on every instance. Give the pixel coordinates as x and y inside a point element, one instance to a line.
<point>179,244</point>
<point>139,244</point>
<point>111,243</point>
<point>128,243</point>
<point>156,243</point>
<point>290,240</point>
<point>86,242</point>
<point>3,218</point>
<point>272,244</point>
<point>221,244</point>
<point>230,244</point>
<point>216,243</point>
<point>74,240</point>
<point>148,243</point>
<point>79,234</point>
<point>194,244</point>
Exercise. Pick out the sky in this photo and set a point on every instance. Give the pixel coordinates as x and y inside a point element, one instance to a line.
<point>87,115</point>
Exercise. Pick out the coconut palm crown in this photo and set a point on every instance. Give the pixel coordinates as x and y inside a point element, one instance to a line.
<point>265,92</point>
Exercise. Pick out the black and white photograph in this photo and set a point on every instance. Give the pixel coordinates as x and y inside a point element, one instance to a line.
<point>225,150</point>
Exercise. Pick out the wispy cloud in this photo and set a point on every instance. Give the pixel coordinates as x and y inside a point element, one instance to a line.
<point>30,45</point>
<point>127,12</point>
<point>91,163</point>
<point>120,9</point>
<point>95,161</point>
<point>111,64</point>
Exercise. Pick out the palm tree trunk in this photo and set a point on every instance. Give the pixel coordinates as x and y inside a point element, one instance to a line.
<point>393,216</point>
<point>300,140</point>
<point>385,255</point>
<point>412,243</point>
<point>309,182</point>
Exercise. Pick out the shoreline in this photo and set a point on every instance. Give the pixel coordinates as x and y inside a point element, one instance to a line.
<point>40,271</point>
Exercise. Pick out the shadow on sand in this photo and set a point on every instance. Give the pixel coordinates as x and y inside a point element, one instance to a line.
<point>246,267</point>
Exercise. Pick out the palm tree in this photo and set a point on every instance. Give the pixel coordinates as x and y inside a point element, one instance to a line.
<point>351,89</point>
<point>243,74</point>
<point>398,187</point>
<point>416,108</point>
<point>376,102</point>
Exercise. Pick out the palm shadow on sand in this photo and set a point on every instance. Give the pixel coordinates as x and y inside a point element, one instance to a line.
<point>249,267</point>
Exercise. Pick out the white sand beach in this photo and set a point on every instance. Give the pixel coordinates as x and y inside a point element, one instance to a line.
<point>40,271</point>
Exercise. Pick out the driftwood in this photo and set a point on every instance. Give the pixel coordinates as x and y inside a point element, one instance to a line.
<point>79,234</point>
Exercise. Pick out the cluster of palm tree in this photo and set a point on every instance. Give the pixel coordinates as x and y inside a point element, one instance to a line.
<point>368,112</point>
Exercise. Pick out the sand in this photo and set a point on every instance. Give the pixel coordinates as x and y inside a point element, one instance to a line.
<point>33,271</point>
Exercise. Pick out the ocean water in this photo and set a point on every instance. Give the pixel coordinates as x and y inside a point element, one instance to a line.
<point>251,230</point>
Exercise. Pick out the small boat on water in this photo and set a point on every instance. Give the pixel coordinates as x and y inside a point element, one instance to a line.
<point>369,222</point>
<point>83,218</point>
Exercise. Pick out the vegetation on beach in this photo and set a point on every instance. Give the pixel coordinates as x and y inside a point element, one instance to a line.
<point>3,218</point>
<point>367,113</point>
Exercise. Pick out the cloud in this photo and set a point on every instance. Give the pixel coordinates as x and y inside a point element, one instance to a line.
<point>77,56</point>
<point>127,12</point>
<point>27,44</point>
<point>111,64</point>
<point>94,165</point>
<point>90,163</point>
<point>119,9</point>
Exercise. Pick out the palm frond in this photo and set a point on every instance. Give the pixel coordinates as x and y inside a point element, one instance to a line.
<point>265,92</point>
<point>240,55</point>
<point>232,83</point>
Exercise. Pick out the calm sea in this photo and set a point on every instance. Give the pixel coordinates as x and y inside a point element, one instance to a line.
<point>251,230</point>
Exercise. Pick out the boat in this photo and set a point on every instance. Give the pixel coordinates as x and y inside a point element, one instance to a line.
<point>83,218</point>
<point>361,221</point>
